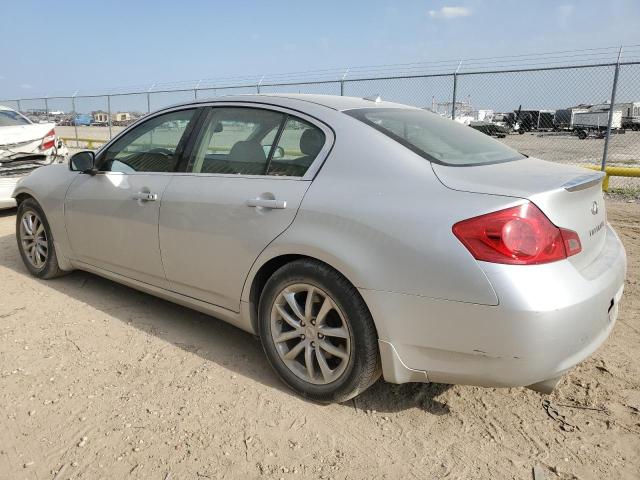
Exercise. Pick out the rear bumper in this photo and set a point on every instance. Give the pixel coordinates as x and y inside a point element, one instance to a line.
<point>549,318</point>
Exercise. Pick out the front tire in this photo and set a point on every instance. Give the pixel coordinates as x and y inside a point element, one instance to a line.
<point>35,241</point>
<point>317,332</point>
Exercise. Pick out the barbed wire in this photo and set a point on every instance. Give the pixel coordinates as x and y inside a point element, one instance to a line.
<point>537,60</point>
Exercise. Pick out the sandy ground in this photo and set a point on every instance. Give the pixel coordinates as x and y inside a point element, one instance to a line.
<point>101,381</point>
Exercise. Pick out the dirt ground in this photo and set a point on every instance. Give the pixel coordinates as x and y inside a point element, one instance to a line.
<point>101,381</point>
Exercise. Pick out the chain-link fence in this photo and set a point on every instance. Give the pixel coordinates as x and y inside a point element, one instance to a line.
<point>586,114</point>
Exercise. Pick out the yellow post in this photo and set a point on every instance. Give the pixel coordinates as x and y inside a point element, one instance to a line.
<point>615,172</point>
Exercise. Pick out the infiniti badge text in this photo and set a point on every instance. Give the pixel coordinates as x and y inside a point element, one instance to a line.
<point>596,229</point>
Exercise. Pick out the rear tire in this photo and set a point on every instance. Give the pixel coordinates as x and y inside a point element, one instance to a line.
<point>582,134</point>
<point>35,241</point>
<point>317,332</point>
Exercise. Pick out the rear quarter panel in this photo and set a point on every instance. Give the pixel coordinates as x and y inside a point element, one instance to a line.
<point>378,214</point>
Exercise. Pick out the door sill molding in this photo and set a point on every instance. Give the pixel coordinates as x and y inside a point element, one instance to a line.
<point>229,316</point>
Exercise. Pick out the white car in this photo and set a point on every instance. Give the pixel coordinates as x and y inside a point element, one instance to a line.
<point>24,146</point>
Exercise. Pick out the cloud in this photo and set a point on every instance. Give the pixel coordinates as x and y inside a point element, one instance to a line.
<point>450,12</point>
<point>26,86</point>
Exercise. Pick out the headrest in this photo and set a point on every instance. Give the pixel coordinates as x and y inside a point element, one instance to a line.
<point>311,142</point>
<point>247,151</point>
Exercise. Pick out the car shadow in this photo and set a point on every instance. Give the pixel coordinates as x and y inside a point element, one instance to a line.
<point>9,212</point>
<point>212,339</point>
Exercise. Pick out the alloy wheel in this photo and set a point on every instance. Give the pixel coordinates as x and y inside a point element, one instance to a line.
<point>33,239</point>
<point>311,335</point>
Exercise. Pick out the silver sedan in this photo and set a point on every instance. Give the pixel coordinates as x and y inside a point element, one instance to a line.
<point>356,237</point>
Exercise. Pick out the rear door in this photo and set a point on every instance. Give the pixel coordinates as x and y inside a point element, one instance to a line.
<point>245,179</point>
<point>112,217</point>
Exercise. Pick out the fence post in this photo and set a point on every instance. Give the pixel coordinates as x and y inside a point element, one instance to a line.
<point>259,83</point>
<point>613,101</point>
<point>19,107</point>
<point>109,113</point>
<point>344,75</point>
<point>455,91</point>
<point>75,117</point>
<point>46,107</point>
<point>149,98</point>
<point>195,90</point>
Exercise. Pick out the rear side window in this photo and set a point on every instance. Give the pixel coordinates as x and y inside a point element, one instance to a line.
<point>9,118</point>
<point>436,138</point>
<point>298,146</point>
<point>237,141</point>
<point>256,141</point>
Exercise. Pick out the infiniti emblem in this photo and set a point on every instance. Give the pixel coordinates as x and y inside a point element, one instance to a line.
<point>594,208</point>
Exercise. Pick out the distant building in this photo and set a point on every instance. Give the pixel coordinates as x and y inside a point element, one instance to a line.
<point>100,116</point>
<point>121,117</point>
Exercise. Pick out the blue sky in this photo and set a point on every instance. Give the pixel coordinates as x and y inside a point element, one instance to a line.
<point>57,48</point>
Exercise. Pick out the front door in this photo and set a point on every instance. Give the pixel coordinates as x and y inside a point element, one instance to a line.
<point>112,217</point>
<point>242,188</point>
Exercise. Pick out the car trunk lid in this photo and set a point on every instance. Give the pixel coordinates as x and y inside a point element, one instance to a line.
<point>571,197</point>
<point>18,134</point>
<point>20,147</point>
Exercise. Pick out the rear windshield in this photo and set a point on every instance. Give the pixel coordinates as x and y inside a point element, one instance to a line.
<point>436,138</point>
<point>9,118</point>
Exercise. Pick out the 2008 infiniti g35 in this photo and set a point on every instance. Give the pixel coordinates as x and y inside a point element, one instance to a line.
<point>355,237</point>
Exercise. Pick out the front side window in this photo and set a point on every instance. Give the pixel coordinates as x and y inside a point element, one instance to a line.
<point>438,139</point>
<point>149,147</point>
<point>9,118</point>
<point>254,141</point>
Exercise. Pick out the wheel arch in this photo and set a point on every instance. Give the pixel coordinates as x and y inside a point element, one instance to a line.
<point>266,266</point>
<point>54,219</point>
<point>22,196</point>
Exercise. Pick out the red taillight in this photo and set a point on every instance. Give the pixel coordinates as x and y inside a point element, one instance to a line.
<point>49,140</point>
<point>521,235</point>
<point>571,241</point>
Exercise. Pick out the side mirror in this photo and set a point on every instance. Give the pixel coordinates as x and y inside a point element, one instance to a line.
<point>83,162</point>
<point>278,153</point>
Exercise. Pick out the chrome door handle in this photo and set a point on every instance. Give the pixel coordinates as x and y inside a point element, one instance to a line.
<point>146,196</point>
<point>266,203</point>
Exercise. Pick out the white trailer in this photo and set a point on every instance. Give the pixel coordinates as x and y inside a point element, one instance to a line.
<point>597,122</point>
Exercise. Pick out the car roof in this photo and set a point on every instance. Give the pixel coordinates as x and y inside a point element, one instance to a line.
<point>334,102</point>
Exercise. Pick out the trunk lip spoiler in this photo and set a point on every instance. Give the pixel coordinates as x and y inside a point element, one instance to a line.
<point>584,181</point>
